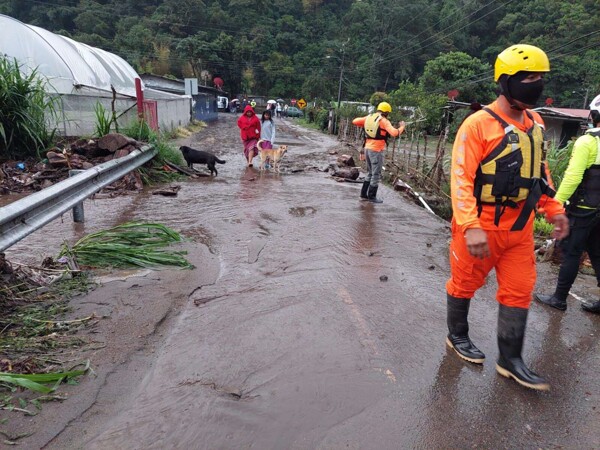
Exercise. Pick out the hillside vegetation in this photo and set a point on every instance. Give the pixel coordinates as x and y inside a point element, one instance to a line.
<point>293,48</point>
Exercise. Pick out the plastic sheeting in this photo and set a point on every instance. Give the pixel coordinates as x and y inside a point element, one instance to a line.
<point>66,64</point>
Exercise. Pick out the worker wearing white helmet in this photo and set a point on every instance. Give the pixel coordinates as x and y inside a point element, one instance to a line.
<point>580,188</point>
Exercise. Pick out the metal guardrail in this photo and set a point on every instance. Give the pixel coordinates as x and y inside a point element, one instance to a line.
<point>24,216</point>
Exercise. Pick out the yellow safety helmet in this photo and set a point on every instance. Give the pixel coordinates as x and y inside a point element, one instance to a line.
<point>384,107</point>
<point>521,57</point>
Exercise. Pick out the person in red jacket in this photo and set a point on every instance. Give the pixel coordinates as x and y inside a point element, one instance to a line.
<point>249,125</point>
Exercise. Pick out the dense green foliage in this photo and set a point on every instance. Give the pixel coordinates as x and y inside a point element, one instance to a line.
<point>24,113</point>
<point>297,48</point>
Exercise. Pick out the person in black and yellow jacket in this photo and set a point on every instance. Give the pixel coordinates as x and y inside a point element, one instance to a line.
<point>581,189</point>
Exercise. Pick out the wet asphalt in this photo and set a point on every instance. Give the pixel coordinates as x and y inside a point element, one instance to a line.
<point>297,343</point>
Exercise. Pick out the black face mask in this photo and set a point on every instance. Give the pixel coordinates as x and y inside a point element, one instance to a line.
<point>527,93</point>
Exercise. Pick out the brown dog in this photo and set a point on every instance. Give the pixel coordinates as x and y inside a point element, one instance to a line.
<point>273,155</point>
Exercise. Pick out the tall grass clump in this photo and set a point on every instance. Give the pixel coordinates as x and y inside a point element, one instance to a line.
<point>132,244</point>
<point>103,120</point>
<point>140,131</point>
<point>167,152</point>
<point>25,112</point>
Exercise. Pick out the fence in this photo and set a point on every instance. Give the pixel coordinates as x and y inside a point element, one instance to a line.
<point>412,152</point>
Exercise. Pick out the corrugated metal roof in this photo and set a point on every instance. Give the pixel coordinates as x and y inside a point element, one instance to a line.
<point>566,113</point>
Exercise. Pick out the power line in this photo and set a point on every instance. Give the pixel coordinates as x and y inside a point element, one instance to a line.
<point>245,32</point>
<point>456,11</point>
<point>421,47</point>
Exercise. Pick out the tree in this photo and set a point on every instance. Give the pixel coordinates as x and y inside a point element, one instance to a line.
<point>457,70</point>
<point>424,108</point>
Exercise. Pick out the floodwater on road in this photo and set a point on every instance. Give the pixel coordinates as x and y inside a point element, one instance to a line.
<point>300,342</point>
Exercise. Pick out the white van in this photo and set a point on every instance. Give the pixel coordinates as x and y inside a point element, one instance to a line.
<point>361,106</point>
<point>222,104</point>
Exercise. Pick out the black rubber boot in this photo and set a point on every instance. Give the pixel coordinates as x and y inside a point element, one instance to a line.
<point>591,307</point>
<point>458,330</point>
<point>363,191</point>
<point>372,195</point>
<point>554,300</point>
<point>511,333</point>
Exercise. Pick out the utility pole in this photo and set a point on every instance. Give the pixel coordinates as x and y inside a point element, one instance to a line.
<point>341,77</point>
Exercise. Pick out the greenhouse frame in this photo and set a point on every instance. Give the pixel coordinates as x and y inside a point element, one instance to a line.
<point>81,76</point>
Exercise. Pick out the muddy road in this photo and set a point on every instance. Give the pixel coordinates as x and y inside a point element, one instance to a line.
<point>286,337</point>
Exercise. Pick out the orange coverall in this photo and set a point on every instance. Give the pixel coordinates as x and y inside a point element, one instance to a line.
<point>511,252</point>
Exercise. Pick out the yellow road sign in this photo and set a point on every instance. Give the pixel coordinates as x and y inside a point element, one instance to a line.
<point>301,103</point>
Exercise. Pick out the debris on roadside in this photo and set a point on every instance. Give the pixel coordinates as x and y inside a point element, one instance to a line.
<point>32,175</point>
<point>33,301</point>
<point>346,160</point>
<point>170,191</point>
<point>402,186</point>
<point>186,171</point>
<point>349,174</point>
<point>132,244</point>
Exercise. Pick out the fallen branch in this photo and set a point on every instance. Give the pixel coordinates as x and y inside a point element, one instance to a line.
<point>180,169</point>
<point>85,319</point>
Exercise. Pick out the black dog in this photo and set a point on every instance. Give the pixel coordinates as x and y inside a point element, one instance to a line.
<point>193,156</point>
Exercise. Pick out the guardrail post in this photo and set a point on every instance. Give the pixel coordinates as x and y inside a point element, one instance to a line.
<point>22,217</point>
<point>78,215</point>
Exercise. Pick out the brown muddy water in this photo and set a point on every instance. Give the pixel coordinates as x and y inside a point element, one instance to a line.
<point>297,343</point>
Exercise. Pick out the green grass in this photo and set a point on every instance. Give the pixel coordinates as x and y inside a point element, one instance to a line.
<point>39,382</point>
<point>103,120</point>
<point>541,228</point>
<point>132,244</point>
<point>33,336</point>
<point>25,113</point>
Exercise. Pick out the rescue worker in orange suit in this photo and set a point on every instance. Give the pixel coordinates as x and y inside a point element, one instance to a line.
<point>498,179</point>
<point>581,188</point>
<point>377,130</point>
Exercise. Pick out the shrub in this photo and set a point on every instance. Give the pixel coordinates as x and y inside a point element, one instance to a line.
<point>25,112</point>
<point>558,160</point>
<point>140,131</point>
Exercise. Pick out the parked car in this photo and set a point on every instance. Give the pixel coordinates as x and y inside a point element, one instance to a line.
<point>294,112</point>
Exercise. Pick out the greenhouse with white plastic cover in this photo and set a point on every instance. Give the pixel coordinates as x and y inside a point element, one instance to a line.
<point>82,76</point>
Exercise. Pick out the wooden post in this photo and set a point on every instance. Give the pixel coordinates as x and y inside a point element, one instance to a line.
<point>140,98</point>
<point>418,154</point>
<point>112,106</point>
<point>424,151</point>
